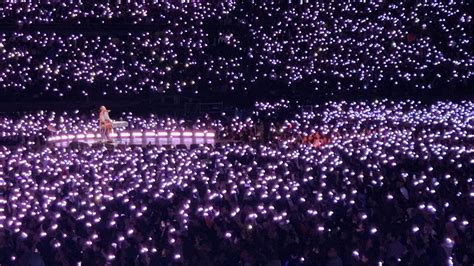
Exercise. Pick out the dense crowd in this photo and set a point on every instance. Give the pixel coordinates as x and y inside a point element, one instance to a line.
<point>199,47</point>
<point>392,186</point>
<point>342,183</point>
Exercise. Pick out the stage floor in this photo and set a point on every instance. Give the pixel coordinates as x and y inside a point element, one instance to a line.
<point>155,138</point>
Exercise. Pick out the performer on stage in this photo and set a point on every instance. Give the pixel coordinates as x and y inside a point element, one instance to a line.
<point>105,123</point>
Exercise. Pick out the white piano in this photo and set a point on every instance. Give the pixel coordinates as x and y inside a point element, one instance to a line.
<point>119,124</point>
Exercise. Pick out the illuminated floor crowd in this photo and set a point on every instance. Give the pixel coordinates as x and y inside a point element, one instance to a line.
<point>391,186</point>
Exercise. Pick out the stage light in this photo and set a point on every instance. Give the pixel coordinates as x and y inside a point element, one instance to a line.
<point>150,134</point>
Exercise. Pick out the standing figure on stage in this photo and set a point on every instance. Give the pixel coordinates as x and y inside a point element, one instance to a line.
<point>105,123</point>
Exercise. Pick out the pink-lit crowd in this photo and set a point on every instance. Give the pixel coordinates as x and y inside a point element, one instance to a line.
<point>393,186</point>
<point>203,47</point>
<point>287,182</point>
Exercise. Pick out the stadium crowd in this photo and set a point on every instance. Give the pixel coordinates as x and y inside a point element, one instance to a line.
<point>393,186</point>
<point>199,47</point>
<point>373,182</point>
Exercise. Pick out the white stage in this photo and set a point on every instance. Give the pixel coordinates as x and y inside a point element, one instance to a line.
<point>157,138</point>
